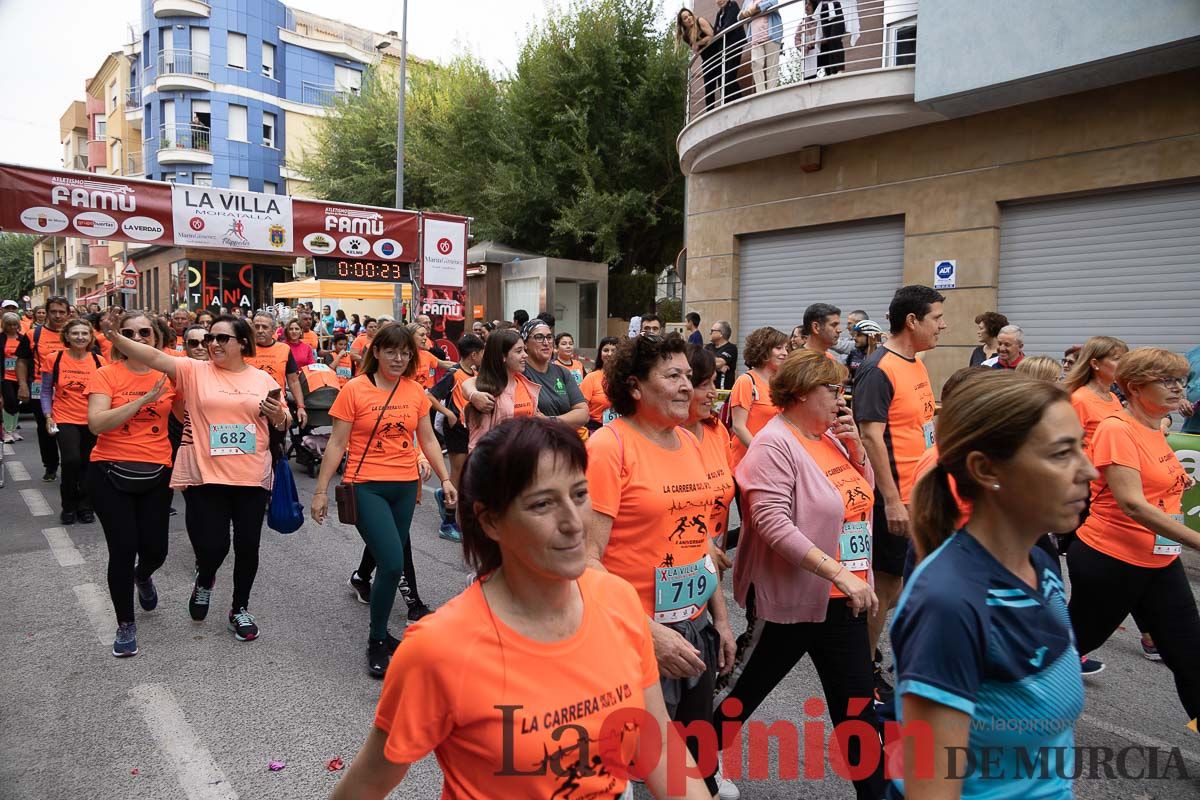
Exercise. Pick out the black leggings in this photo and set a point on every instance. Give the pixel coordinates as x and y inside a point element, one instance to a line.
<point>75,443</point>
<point>211,510</point>
<point>408,585</point>
<point>841,652</point>
<point>8,392</point>
<point>1104,590</point>
<point>46,443</point>
<point>135,528</point>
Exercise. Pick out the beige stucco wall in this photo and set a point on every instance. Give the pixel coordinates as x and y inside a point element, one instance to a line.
<point>948,180</point>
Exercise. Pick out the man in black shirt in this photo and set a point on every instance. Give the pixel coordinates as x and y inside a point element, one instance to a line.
<point>725,351</point>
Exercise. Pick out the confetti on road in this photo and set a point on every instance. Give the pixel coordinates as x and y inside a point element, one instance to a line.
<point>275,766</point>
<point>335,764</point>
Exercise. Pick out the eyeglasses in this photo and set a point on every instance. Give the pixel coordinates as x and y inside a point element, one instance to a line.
<point>144,333</point>
<point>195,343</point>
<point>1171,383</point>
<point>716,330</point>
<point>395,355</point>
<point>837,388</point>
<point>542,337</point>
<point>220,338</point>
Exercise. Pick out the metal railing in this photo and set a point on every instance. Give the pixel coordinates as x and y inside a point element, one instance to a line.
<point>320,94</point>
<point>133,98</point>
<point>314,28</point>
<point>785,45</point>
<point>183,62</point>
<point>185,137</point>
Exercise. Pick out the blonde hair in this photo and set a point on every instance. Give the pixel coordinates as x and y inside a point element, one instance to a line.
<point>993,417</point>
<point>1040,368</point>
<point>10,318</point>
<point>804,371</point>
<point>1097,348</point>
<point>1148,364</point>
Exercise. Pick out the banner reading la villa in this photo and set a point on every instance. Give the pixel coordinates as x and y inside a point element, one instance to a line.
<point>94,206</point>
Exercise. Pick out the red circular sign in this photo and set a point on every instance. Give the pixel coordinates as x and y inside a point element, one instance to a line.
<point>444,246</point>
<point>196,223</point>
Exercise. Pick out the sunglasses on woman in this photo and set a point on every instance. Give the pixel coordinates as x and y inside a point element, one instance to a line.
<point>220,338</point>
<point>130,333</point>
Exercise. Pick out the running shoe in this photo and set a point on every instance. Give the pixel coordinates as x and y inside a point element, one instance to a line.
<point>8,438</point>
<point>1150,650</point>
<point>418,610</point>
<point>86,516</point>
<point>18,437</point>
<point>147,594</point>
<point>242,625</point>
<point>379,655</point>
<point>51,476</point>
<point>727,789</point>
<point>126,642</point>
<point>198,604</point>
<point>1090,666</point>
<point>450,532</point>
<point>360,587</point>
<point>67,517</point>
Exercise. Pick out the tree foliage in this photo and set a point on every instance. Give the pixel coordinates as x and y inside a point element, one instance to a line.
<point>573,155</point>
<point>16,266</point>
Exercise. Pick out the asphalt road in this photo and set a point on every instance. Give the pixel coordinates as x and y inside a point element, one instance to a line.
<point>200,715</point>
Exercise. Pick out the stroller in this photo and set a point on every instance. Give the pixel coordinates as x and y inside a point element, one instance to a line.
<point>320,385</point>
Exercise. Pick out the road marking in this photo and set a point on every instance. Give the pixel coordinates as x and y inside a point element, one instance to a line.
<point>195,768</point>
<point>1140,738</point>
<point>62,547</point>
<point>99,610</point>
<point>8,450</point>
<point>17,470</point>
<point>37,504</point>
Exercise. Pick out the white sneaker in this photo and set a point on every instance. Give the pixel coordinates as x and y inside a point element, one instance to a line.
<point>727,790</point>
<point>8,438</point>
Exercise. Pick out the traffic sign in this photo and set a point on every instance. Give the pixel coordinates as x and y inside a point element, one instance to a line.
<point>129,278</point>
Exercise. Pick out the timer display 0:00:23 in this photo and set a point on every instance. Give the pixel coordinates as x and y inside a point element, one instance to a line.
<point>338,269</point>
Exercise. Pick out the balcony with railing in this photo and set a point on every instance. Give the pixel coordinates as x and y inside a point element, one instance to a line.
<point>330,36</point>
<point>181,8</point>
<point>184,144</point>
<point>183,70</point>
<point>320,94</point>
<point>783,80</point>
<point>133,103</point>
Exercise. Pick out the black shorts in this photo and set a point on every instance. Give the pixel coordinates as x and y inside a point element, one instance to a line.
<point>888,551</point>
<point>456,439</point>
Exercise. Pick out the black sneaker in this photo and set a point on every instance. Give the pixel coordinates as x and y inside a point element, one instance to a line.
<point>147,594</point>
<point>198,604</point>
<point>242,625</point>
<point>86,516</point>
<point>379,655</point>
<point>51,476</point>
<point>125,645</point>
<point>67,517</point>
<point>418,610</point>
<point>884,693</point>
<point>361,588</point>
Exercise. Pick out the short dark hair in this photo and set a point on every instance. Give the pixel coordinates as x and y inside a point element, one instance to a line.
<point>992,322</point>
<point>860,313</point>
<point>547,318</point>
<point>520,317</point>
<point>818,313</point>
<point>501,466</point>
<point>693,318</point>
<point>607,340</point>
<point>634,359</point>
<point>58,300</point>
<point>468,345</point>
<point>340,337</point>
<point>390,335</point>
<point>241,331</point>
<point>558,337</point>
<point>651,318</point>
<point>760,343</point>
<point>703,363</point>
<point>914,299</point>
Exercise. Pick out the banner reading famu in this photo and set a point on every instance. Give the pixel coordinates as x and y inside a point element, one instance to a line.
<point>225,219</point>
<point>1187,449</point>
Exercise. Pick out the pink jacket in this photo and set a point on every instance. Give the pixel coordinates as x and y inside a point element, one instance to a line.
<point>792,507</point>
<point>479,424</point>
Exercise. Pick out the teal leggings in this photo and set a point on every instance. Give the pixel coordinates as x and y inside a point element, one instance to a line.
<point>385,512</point>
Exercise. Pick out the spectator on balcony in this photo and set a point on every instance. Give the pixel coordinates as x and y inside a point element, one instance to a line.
<point>697,34</point>
<point>733,44</point>
<point>766,40</point>
<point>835,18</point>
<point>808,35</point>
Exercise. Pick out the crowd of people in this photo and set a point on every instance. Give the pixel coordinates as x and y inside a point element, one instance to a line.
<point>593,503</point>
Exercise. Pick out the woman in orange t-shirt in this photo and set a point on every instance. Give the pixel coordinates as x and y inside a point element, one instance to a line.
<point>592,387</point>
<point>539,628</point>
<point>653,502</point>
<point>1090,382</point>
<point>128,405</point>
<point>750,398</point>
<point>378,417</point>
<point>1127,556</point>
<point>500,391</point>
<point>427,363</point>
<point>64,403</point>
<point>564,356</point>
<point>714,444</point>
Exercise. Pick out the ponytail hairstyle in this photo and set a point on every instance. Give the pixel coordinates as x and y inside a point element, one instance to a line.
<point>503,465</point>
<point>992,416</point>
<point>1098,348</point>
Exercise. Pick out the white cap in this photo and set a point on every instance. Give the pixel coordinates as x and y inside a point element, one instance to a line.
<point>9,304</point>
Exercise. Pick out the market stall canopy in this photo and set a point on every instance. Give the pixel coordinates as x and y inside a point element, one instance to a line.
<point>333,290</point>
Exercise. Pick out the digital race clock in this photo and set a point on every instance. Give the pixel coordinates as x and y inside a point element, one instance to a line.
<point>357,269</point>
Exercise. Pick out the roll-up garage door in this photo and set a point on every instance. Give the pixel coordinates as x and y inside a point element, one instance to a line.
<point>1125,264</point>
<point>853,265</point>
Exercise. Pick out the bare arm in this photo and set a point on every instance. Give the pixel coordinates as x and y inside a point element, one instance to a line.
<point>657,781</point>
<point>102,417</point>
<point>950,730</point>
<point>371,776</point>
<point>599,532</point>
<point>442,409</point>
<point>334,450</point>
<point>293,382</point>
<point>152,357</point>
<point>1126,485</point>
<point>577,417</point>
<point>872,439</point>
<point>739,415</point>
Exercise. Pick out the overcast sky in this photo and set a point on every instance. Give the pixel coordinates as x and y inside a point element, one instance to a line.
<point>48,48</point>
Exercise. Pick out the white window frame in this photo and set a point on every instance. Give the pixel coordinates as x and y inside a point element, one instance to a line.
<point>169,177</point>
<point>101,123</point>
<point>268,64</point>
<point>346,79</point>
<point>239,183</point>
<point>202,179</point>
<point>235,44</point>
<point>240,133</point>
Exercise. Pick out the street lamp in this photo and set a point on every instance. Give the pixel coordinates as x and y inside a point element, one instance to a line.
<point>398,291</point>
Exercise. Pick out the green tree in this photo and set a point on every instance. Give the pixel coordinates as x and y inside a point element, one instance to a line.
<point>16,266</point>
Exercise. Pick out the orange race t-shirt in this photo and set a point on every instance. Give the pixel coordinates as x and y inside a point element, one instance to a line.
<point>594,391</point>
<point>927,462</point>
<point>71,387</point>
<point>26,325</point>
<point>522,401</point>
<point>11,344</point>
<point>144,437</point>
<point>715,454</point>
<point>393,451</point>
<point>48,345</point>
<point>105,345</point>
<point>854,543</point>
<point>310,339</point>
<point>343,367</point>
<point>575,368</point>
<point>508,716</point>
<point>1123,441</point>
<point>360,343</point>
<point>1091,409</point>
<point>895,390</point>
<point>272,360</point>
<point>427,367</point>
<point>661,504</point>
<point>230,439</point>
<point>753,394</point>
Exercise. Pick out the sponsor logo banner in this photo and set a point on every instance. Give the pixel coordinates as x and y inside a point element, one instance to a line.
<point>444,254</point>
<point>343,230</point>
<point>50,202</point>
<point>229,220</point>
